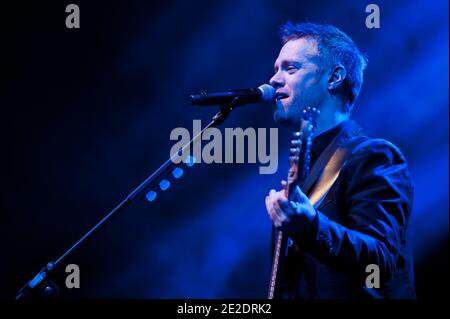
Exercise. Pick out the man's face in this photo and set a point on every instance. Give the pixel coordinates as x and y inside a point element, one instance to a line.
<point>300,81</point>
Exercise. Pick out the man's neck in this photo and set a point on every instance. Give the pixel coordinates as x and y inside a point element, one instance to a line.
<point>329,117</point>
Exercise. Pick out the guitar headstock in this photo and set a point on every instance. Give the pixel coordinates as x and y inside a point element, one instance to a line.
<point>294,156</point>
<point>310,114</point>
<point>301,139</point>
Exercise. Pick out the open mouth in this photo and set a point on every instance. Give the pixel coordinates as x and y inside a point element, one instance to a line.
<point>280,96</point>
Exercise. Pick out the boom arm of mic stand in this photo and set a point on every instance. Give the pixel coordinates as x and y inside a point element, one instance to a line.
<point>135,195</point>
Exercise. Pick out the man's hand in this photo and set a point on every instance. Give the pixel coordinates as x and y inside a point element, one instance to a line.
<point>289,216</point>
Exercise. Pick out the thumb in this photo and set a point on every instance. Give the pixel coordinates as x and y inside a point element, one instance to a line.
<point>299,196</point>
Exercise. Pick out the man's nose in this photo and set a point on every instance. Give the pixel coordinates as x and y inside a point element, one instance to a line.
<point>277,80</point>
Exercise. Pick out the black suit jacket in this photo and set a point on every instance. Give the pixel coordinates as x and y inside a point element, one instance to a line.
<point>361,221</point>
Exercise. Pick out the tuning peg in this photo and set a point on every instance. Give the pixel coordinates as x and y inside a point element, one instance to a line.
<point>190,160</point>
<point>151,196</point>
<point>177,172</point>
<point>164,184</point>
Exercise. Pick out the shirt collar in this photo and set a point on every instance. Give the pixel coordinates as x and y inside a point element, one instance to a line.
<point>321,141</point>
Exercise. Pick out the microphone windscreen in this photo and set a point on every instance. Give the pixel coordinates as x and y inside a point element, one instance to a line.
<point>267,92</point>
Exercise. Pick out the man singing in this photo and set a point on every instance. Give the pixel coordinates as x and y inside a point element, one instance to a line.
<point>361,221</point>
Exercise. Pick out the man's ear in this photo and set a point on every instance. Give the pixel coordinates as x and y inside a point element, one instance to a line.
<point>336,77</point>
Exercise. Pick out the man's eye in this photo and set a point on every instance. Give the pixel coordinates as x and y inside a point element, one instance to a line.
<point>291,68</point>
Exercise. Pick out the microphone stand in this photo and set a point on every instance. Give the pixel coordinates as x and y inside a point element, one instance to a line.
<point>134,196</point>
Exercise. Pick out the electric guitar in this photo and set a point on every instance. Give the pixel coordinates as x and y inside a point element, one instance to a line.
<point>299,162</point>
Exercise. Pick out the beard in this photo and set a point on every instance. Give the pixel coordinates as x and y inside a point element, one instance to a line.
<point>288,115</point>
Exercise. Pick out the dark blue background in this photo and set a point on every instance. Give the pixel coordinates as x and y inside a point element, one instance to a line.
<point>87,113</point>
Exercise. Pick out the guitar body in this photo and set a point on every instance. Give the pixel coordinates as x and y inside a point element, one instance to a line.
<point>299,162</point>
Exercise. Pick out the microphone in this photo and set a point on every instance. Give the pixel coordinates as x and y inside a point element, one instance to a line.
<point>263,93</point>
